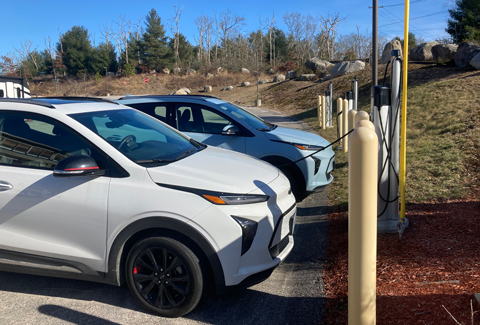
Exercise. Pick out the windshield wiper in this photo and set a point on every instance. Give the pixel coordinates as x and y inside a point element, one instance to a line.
<point>186,153</point>
<point>152,161</point>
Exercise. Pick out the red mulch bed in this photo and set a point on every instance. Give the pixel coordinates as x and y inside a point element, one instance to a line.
<point>442,245</point>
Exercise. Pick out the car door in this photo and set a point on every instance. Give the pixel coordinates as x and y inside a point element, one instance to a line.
<point>204,124</point>
<point>41,215</point>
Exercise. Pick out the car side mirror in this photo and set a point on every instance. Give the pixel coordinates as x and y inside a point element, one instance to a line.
<point>78,165</point>
<point>231,130</point>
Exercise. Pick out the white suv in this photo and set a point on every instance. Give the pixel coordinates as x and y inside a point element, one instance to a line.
<point>98,191</point>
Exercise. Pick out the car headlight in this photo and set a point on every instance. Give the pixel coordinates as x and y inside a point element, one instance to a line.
<point>307,147</point>
<point>232,199</point>
<point>219,197</point>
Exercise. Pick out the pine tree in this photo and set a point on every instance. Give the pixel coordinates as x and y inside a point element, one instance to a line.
<point>154,50</point>
<point>464,24</point>
<point>75,49</point>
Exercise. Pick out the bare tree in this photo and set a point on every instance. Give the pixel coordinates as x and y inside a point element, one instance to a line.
<point>175,28</point>
<point>124,29</point>
<point>201,27</point>
<point>26,51</point>
<point>227,23</point>
<point>107,32</point>
<point>328,33</point>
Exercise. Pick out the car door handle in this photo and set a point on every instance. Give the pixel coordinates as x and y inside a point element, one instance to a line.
<point>5,186</point>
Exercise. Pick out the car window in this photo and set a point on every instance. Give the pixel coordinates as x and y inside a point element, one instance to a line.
<point>197,118</point>
<point>33,140</point>
<point>136,135</point>
<point>158,111</point>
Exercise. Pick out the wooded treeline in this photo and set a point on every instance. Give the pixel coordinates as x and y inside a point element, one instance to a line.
<point>221,41</point>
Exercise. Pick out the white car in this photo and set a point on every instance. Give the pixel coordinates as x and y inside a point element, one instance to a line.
<point>102,192</point>
<point>306,159</point>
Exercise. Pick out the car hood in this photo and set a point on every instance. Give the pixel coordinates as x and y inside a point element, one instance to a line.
<point>216,169</point>
<point>295,136</point>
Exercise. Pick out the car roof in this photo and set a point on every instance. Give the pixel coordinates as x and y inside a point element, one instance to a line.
<point>152,98</point>
<point>68,105</point>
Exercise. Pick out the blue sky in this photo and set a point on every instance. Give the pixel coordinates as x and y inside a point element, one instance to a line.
<point>35,20</point>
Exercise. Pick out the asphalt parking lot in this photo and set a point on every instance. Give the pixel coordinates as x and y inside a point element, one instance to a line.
<point>293,294</point>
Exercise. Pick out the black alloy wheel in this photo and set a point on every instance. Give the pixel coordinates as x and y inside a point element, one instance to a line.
<point>165,276</point>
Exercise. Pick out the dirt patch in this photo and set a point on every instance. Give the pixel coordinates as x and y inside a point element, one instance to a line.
<point>436,263</point>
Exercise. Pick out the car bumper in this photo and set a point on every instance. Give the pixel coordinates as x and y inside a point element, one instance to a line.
<point>273,240</point>
<point>317,178</point>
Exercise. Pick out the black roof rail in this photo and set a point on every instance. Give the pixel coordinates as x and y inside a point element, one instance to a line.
<point>26,101</point>
<point>78,98</point>
<point>170,96</point>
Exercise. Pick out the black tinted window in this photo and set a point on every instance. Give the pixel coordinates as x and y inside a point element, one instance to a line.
<point>32,140</point>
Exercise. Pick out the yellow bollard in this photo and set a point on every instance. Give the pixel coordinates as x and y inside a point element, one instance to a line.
<point>351,125</point>
<point>361,115</point>
<point>319,111</point>
<point>323,113</point>
<point>364,123</point>
<point>345,125</point>
<point>362,225</point>
<point>340,120</point>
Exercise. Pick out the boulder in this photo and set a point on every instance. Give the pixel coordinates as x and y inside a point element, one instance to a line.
<point>271,71</point>
<point>209,75</point>
<point>190,71</point>
<point>290,75</point>
<point>245,84</point>
<point>326,77</point>
<point>444,52</point>
<point>186,90</point>
<point>207,89</point>
<point>422,52</point>
<point>307,77</point>
<point>318,65</point>
<point>111,74</point>
<point>465,53</point>
<point>179,92</point>
<point>177,71</point>
<point>346,67</point>
<point>118,74</point>
<point>245,70</point>
<point>263,81</point>
<point>387,51</point>
<point>166,71</point>
<point>475,62</point>
<point>227,88</point>
<point>153,71</point>
<point>278,78</point>
<point>220,70</point>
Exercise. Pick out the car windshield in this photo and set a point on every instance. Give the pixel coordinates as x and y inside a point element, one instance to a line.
<point>142,139</point>
<point>246,116</point>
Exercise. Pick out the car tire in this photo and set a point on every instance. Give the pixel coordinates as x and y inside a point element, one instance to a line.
<point>165,276</point>
<point>292,177</point>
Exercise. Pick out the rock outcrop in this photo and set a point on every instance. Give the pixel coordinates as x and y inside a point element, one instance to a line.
<point>307,77</point>
<point>422,52</point>
<point>465,53</point>
<point>319,65</point>
<point>346,67</point>
<point>387,51</point>
<point>444,52</point>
